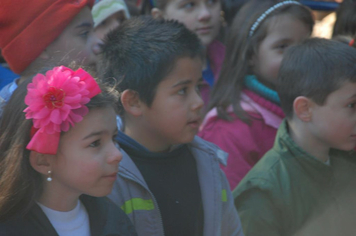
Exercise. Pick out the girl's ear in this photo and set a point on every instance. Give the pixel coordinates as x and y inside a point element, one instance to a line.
<point>41,162</point>
<point>131,102</point>
<point>156,13</point>
<point>302,107</point>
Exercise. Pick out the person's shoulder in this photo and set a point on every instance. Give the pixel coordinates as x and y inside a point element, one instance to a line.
<point>120,222</point>
<point>265,175</point>
<point>10,227</point>
<point>347,155</point>
<point>112,209</point>
<point>208,150</point>
<point>343,159</point>
<point>235,127</point>
<point>7,90</point>
<point>216,52</point>
<point>18,226</point>
<point>113,217</point>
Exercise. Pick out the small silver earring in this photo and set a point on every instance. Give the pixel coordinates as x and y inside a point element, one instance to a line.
<point>49,178</point>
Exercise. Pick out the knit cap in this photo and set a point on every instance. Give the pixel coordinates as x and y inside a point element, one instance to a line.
<point>105,8</point>
<point>27,27</point>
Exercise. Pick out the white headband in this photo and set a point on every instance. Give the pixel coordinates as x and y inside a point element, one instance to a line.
<point>266,13</point>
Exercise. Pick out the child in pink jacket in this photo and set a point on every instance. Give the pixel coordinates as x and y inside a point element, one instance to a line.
<point>244,107</point>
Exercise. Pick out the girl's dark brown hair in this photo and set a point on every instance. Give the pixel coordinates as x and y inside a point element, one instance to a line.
<point>240,49</point>
<point>20,184</point>
<point>345,23</point>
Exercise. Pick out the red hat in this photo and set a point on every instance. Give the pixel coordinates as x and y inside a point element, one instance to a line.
<point>27,27</point>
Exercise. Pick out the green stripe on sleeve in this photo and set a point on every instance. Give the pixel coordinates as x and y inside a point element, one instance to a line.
<point>135,204</point>
<point>223,195</point>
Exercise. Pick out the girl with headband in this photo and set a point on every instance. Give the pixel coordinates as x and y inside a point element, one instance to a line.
<point>58,158</point>
<point>244,108</point>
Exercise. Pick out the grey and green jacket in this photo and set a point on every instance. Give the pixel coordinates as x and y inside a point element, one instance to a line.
<point>132,194</point>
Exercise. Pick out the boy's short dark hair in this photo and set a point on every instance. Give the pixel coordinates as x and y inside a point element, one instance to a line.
<point>314,69</point>
<point>142,51</point>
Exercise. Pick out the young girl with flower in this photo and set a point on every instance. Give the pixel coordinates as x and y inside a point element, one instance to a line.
<point>58,158</point>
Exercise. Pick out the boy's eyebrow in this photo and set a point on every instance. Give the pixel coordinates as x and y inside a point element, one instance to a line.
<point>183,82</point>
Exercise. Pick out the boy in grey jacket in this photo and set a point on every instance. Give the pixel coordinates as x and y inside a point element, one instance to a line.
<point>169,181</point>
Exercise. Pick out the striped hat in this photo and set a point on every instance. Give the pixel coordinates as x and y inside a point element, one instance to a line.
<point>105,8</point>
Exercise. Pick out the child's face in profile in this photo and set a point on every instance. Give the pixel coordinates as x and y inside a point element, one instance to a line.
<point>87,158</point>
<point>333,125</point>
<point>76,43</point>
<point>175,113</point>
<point>282,31</point>
<point>109,24</point>
<point>199,16</point>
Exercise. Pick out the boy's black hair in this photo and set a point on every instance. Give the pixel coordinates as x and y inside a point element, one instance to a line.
<point>314,69</point>
<point>142,51</point>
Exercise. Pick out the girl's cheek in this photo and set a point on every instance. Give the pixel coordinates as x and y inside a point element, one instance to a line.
<point>91,168</point>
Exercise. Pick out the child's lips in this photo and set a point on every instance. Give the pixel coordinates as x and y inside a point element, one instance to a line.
<point>194,123</point>
<point>204,30</point>
<point>112,176</point>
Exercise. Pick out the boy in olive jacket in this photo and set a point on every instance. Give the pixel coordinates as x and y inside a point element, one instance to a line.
<point>304,184</point>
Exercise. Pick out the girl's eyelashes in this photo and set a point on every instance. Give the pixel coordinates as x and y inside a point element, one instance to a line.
<point>95,143</point>
<point>282,46</point>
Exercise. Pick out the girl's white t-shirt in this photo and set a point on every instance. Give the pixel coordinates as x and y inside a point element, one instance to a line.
<point>74,222</point>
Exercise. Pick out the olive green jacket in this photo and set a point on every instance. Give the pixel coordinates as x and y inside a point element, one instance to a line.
<point>289,192</point>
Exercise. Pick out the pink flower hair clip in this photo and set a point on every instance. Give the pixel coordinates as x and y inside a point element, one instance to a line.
<point>55,102</point>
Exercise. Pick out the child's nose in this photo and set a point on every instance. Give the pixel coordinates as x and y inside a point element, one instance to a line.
<point>205,13</point>
<point>96,44</point>
<point>115,156</point>
<point>198,102</point>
